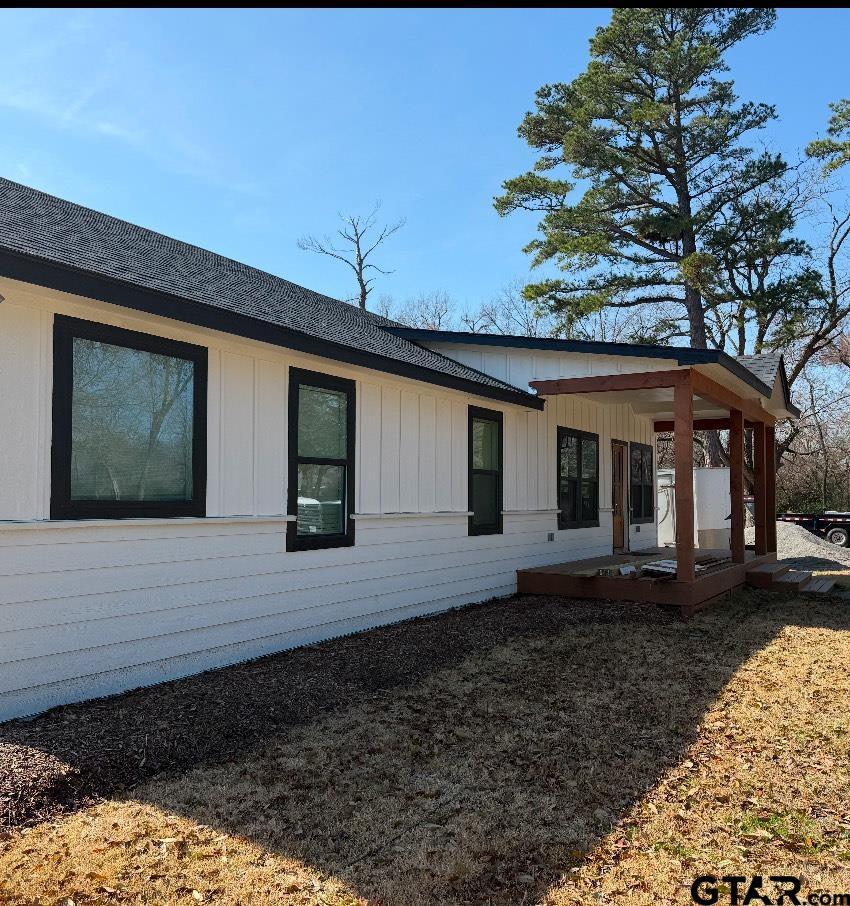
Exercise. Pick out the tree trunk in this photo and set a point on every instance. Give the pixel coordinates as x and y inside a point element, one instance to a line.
<point>824,451</point>
<point>717,456</point>
<point>696,316</point>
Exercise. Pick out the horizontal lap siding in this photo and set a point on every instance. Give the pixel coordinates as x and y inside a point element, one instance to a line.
<point>92,629</point>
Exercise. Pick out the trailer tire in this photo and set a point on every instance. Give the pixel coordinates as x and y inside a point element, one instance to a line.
<point>839,536</point>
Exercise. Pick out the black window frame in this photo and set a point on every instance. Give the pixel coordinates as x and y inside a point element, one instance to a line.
<point>563,522</point>
<point>642,519</point>
<point>299,377</point>
<point>493,415</point>
<point>62,506</point>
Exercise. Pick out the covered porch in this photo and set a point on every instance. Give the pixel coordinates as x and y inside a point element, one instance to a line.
<point>681,401</point>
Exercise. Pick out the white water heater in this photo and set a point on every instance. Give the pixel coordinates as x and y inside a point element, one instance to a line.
<point>712,508</point>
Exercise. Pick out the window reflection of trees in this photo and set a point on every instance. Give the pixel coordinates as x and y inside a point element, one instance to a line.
<point>131,424</point>
<point>321,435</point>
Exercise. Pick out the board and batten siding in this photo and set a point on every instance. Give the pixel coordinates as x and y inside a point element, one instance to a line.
<point>519,366</point>
<point>96,607</point>
<point>611,421</point>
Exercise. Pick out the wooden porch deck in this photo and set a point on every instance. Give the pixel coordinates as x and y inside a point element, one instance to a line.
<point>580,578</point>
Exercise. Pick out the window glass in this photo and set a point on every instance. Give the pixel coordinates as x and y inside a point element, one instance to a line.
<point>485,498</point>
<point>647,501</point>
<point>321,499</point>
<point>589,500</point>
<point>322,423</point>
<point>485,444</point>
<point>636,460</point>
<point>641,487</point>
<point>485,472</point>
<point>131,424</point>
<point>569,456</point>
<point>589,457</point>
<point>636,497</point>
<point>578,478</point>
<point>321,459</point>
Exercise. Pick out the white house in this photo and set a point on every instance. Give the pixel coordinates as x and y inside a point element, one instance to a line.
<point>203,463</point>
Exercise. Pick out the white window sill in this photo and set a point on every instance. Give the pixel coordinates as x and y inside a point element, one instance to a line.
<point>48,524</point>
<point>530,512</point>
<point>437,513</point>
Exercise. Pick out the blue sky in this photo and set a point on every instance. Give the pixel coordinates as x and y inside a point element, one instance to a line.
<point>241,131</point>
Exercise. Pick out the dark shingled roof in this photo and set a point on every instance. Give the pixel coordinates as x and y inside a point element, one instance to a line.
<point>49,229</point>
<point>764,366</point>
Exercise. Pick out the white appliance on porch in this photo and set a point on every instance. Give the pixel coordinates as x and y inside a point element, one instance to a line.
<point>712,508</point>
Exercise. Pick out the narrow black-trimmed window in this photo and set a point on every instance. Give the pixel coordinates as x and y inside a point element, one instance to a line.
<point>641,485</point>
<point>485,471</point>
<point>578,479</point>
<point>129,424</point>
<point>321,460</point>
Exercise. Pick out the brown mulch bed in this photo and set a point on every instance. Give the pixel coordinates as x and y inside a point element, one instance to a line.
<point>78,754</point>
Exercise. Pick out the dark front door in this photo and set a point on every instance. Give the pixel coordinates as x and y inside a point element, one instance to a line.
<point>618,485</point>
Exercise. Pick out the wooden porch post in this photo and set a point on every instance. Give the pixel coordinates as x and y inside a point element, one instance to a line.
<point>770,488</point>
<point>683,446</point>
<point>736,483</point>
<point>760,487</point>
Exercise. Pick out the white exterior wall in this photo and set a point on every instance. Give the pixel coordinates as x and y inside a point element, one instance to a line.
<point>519,366</point>
<point>95,607</point>
<point>610,422</point>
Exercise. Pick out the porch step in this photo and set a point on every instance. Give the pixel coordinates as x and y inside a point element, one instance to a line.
<point>791,581</point>
<point>765,575</point>
<point>818,585</point>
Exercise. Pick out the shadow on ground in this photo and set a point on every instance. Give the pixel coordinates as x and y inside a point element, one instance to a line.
<point>816,563</point>
<point>471,757</point>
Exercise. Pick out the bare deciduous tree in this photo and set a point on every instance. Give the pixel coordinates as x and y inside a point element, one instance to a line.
<point>359,237</point>
<point>428,311</point>
<point>511,313</point>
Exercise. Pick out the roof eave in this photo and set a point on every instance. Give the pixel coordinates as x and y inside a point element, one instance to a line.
<point>786,389</point>
<point>683,355</point>
<point>82,282</point>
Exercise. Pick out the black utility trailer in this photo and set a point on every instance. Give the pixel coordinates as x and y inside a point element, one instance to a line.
<point>834,526</point>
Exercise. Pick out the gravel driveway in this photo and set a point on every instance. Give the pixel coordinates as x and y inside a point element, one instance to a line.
<point>804,550</point>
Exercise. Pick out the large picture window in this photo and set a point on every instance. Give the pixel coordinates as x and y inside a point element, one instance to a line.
<point>641,485</point>
<point>129,424</point>
<point>321,460</point>
<point>578,479</point>
<point>485,471</point>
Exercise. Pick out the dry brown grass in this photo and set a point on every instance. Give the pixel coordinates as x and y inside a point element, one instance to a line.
<point>840,577</point>
<point>611,763</point>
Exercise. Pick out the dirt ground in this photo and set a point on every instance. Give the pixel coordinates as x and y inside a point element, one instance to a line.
<point>523,751</point>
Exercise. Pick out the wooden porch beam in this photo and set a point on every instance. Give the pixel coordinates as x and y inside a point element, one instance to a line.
<point>736,484</point>
<point>601,383</point>
<point>683,448</point>
<point>710,390</point>
<point>760,488</point>
<point>701,424</point>
<point>702,386</point>
<point>770,487</point>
